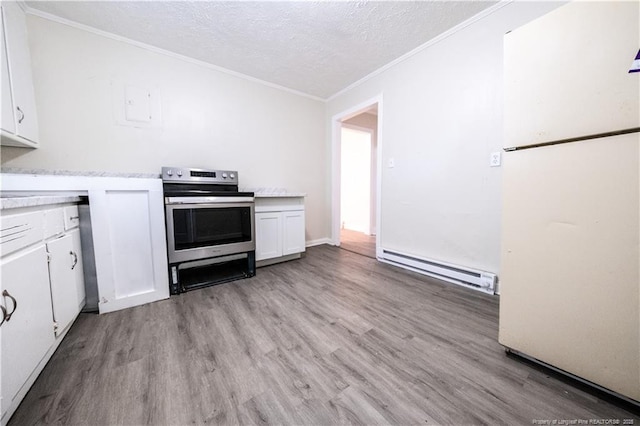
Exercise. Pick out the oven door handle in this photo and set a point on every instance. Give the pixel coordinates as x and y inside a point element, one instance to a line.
<point>207,200</point>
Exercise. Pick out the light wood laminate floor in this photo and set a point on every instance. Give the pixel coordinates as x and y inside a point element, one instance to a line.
<point>333,338</point>
<point>358,242</point>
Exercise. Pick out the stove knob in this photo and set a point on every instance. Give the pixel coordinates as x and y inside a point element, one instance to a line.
<point>224,176</point>
<point>180,173</point>
<point>169,172</point>
<point>232,176</point>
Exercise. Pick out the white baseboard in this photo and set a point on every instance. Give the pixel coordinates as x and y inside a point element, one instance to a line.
<point>318,242</point>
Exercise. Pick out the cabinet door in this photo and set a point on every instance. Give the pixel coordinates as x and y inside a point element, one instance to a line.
<point>19,61</point>
<point>77,267</point>
<point>28,335</point>
<point>7,122</point>
<point>63,282</point>
<point>268,235</point>
<point>293,232</point>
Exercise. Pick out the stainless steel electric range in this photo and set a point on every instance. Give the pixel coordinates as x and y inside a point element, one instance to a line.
<point>210,228</point>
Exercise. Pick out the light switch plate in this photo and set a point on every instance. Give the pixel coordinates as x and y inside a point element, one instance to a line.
<point>496,158</point>
<point>391,163</point>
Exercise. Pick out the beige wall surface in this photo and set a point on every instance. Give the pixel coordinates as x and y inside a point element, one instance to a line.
<point>208,119</point>
<point>441,119</point>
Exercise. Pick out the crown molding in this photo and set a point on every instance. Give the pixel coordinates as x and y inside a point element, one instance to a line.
<point>483,14</point>
<point>158,50</point>
<point>424,46</point>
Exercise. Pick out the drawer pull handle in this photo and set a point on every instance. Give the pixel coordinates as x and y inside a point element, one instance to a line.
<point>75,259</point>
<point>4,315</point>
<point>19,121</point>
<point>74,218</point>
<point>5,293</point>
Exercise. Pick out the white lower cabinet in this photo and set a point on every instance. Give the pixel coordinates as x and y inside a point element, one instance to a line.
<point>268,235</point>
<point>279,229</point>
<point>77,268</point>
<point>127,233</point>
<point>28,334</point>
<point>64,294</point>
<point>293,232</point>
<point>41,294</point>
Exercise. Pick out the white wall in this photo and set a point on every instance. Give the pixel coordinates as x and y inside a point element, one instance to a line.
<point>210,119</point>
<point>442,117</point>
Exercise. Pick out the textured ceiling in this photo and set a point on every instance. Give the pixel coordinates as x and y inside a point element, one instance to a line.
<point>315,47</point>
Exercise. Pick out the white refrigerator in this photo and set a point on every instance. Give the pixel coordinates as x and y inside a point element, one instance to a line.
<point>570,274</point>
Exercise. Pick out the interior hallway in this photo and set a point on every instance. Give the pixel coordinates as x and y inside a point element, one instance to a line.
<point>358,242</point>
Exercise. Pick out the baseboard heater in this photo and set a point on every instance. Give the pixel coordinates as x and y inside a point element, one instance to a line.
<point>478,280</point>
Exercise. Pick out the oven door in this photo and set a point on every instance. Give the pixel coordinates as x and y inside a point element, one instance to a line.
<point>213,227</point>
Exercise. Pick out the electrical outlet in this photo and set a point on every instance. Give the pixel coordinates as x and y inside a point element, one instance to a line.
<point>495,159</point>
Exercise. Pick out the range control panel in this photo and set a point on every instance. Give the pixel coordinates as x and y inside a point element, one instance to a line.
<point>181,174</point>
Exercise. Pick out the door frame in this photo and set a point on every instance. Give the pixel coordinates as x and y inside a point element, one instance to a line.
<point>336,147</point>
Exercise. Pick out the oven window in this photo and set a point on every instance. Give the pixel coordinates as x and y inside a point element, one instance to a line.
<point>205,227</point>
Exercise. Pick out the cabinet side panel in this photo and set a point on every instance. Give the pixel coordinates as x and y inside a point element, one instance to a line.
<point>129,244</point>
<point>130,237</point>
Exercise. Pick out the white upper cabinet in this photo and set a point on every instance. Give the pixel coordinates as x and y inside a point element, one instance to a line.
<point>19,118</point>
<point>567,73</point>
<point>7,122</point>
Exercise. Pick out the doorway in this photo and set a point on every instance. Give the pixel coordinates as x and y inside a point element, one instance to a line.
<point>356,179</point>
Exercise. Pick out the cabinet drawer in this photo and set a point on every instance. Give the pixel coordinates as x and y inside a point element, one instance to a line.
<point>71,217</point>
<point>20,230</point>
<point>53,222</point>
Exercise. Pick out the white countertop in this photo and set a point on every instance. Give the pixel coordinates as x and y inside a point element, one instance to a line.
<point>282,195</point>
<point>16,170</point>
<point>16,202</point>
<point>273,193</point>
<point>260,192</point>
